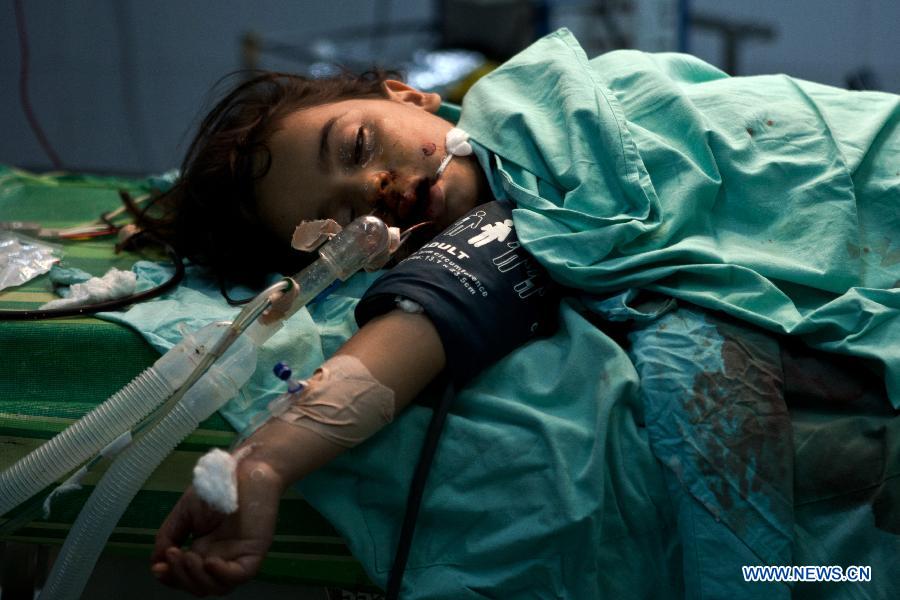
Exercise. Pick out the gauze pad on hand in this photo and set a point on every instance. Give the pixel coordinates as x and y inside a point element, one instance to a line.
<point>215,478</point>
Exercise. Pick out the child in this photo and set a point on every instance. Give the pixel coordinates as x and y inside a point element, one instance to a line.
<point>278,151</point>
<point>768,198</point>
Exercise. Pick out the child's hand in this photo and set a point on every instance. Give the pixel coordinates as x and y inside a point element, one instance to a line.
<point>226,550</point>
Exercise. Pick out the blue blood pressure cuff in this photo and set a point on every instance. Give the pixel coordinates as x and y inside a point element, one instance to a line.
<point>482,291</point>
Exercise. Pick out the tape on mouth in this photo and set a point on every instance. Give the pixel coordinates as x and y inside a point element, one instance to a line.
<point>309,235</point>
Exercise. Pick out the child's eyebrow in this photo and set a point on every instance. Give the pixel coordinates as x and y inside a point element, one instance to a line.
<point>323,144</point>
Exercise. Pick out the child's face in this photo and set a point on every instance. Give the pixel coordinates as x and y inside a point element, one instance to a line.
<point>348,158</point>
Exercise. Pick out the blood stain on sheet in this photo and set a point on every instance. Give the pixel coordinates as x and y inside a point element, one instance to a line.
<point>743,428</point>
<point>428,148</point>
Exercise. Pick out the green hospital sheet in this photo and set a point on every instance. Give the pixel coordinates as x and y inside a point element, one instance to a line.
<point>769,198</point>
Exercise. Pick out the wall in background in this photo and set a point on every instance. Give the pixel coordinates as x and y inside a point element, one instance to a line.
<point>820,40</point>
<point>118,84</point>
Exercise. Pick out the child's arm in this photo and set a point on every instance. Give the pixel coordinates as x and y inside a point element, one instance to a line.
<point>401,350</point>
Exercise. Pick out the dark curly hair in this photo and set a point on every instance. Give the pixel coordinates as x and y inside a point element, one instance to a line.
<point>209,215</point>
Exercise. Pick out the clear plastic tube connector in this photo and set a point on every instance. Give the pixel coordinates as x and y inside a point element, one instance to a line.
<point>364,241</point>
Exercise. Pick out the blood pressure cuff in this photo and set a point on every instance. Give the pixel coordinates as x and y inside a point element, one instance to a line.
<point>483,292</point>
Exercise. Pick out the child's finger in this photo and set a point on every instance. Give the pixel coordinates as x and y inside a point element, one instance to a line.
<point>180,576</point>
<point>215,567</point>
<point>229,572</point>
<point>193,564</point>
<point>162,572</point>
<point>173,532</point>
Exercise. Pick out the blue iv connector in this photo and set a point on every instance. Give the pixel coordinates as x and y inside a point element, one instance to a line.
<point>283,372</point>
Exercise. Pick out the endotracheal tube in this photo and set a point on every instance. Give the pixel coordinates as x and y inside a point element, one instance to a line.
<point>224,366</point>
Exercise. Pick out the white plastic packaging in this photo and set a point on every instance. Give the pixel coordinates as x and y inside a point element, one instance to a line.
<point>23,259</point>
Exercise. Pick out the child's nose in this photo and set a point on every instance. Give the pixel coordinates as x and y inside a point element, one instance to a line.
<point>378,188</point>
<point>386,192</point>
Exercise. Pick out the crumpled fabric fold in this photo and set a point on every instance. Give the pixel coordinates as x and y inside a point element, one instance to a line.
<point>113,285</point>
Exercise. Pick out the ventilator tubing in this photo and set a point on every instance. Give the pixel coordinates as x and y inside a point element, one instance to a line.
<point>361,242</point>
<point>127,474</point>
<point>98,428</point>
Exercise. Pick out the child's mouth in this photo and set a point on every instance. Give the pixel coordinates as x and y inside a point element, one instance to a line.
<point>429,201</point>
<point>424,201</point>
<point>434,207</point>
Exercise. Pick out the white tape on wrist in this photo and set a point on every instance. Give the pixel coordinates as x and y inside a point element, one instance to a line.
<point>343,403</point>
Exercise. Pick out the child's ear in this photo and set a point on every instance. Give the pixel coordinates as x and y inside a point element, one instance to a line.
<point>400,92</point>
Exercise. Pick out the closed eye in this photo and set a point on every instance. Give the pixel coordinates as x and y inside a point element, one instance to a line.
<point>360,144</point>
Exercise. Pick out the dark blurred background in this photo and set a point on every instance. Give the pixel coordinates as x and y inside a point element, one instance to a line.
<point>116,86</point>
